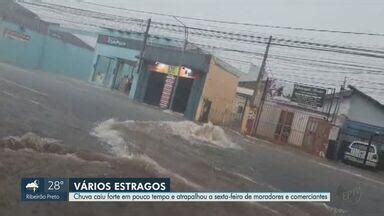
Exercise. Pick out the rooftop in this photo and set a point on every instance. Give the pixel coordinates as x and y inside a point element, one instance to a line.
<point>371,99</point>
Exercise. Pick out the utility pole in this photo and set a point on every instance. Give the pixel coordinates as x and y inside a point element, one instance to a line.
<point>146,35</point>
<point>180,63</point>
<point>260,108</point>
<point>339,99</point>
<point>331,105</point>
<point>256,90</point>
<point>262,70</point>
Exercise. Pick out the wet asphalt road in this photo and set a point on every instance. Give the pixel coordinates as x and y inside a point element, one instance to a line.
<point>65,109</point>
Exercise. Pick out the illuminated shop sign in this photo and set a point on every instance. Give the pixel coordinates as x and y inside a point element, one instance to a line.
<point>174,70</point>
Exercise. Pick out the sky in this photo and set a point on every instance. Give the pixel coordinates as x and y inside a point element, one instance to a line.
<point>344,15</point>
<point>352,15</point>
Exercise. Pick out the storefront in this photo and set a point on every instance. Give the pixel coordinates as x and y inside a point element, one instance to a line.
<point>117,57</point>
<point>114,73</point>
<point>162,82</point>
<point>115,62</point>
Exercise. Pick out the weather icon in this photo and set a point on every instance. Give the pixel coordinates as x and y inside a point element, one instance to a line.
<point>33,185</point>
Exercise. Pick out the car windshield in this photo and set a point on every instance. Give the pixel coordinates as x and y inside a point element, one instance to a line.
<point>363,147</point>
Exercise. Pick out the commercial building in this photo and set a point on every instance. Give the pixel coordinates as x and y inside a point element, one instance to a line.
<point>191,81</point>
<point>27,41</point>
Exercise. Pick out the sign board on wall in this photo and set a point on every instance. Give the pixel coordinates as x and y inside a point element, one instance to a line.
<point>167,92</point>
<point>174,70</point>
<point>308,95</point>
<point>16,35</point>
<point>119,42</point>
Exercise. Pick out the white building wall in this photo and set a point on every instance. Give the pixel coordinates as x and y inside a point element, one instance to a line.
<point>362,110</point>
<point>298,128</point>
<point>269,119</point>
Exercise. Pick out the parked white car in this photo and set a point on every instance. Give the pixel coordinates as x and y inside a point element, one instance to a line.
<point>356,152</point>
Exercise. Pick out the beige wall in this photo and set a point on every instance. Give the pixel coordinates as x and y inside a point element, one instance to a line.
<point>220,88</point>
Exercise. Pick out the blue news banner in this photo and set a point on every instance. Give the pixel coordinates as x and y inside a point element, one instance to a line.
<point>59,189</point>
<point>143,190</point>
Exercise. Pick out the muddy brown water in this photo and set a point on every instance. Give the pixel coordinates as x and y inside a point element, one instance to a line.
<point>32,156</point>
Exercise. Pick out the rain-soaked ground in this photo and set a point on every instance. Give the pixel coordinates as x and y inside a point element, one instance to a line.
<point>133,147</point>
<point>93,132</point>
<point>33,156</point>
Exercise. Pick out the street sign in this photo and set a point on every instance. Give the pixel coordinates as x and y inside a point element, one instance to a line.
<point>308,95</point>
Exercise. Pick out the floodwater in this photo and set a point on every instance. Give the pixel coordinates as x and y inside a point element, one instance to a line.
<point>34,156</point>
<point>121,140</point>
<point>184,151</point>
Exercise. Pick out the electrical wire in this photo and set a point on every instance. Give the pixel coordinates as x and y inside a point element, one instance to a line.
<point>235,36</point>
<point>240,23</point>
<point>247,39</point>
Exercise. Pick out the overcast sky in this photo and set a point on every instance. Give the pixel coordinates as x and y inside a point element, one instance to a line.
<point>352,15</point>
<point>343,15</point>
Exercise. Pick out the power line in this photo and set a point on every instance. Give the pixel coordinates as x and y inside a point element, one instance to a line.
<point>347,65</point>
<point>233,36</point>
<point>343,66</point>
<point>366,81</point>
<point>278,57</point>
<point>285,58</point>
<point>300,38</point>
<point>212,35</point>
<point>219,34</point>
<point>240,23</point>
<point>251,38</point>
<point>328,84</point>
<point>316,45</point>
<point>334,67</point>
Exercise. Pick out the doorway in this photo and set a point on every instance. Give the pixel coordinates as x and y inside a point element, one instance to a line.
<point>155,87</point>
<point>104,71</point>
<point>124,76</point>
<point>283,129</point>
<point>316,135</point>
<point>182,93</point>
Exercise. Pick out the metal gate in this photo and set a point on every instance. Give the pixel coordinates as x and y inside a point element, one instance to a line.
<point>316,136</point>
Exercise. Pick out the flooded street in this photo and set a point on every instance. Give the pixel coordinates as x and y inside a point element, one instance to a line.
<point>33,156</point>
<point>85,131</point>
